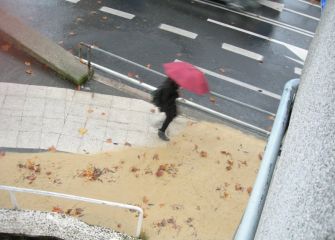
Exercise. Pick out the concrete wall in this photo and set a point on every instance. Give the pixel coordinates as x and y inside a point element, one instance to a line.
<point>301,199</point>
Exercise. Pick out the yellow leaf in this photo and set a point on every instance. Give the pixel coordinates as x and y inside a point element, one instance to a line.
<point>82,131</point>
<point>52,149</point>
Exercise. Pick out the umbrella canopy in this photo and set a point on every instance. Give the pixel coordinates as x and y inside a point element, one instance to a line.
<point>187,76</point>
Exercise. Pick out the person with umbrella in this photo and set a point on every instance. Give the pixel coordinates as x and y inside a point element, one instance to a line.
<point>180,74</point>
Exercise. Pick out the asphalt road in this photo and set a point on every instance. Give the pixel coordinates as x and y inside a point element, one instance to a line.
<point>226,43</point>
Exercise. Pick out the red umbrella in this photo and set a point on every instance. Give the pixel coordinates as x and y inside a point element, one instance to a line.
<point>187,76</point>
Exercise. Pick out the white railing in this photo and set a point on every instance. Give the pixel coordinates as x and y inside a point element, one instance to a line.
<point>12,191</point>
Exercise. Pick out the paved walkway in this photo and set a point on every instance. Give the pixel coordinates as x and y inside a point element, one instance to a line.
<point>39,117</point>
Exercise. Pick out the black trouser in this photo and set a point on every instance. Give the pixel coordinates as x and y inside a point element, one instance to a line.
<point>170,115</point>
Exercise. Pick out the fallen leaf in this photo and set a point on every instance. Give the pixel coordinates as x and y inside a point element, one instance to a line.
<point>33,166</point>
<point>27,63</point>
<point>29,71</point>
<point>249,190</point>
<point>104,18</point>
<point>260,156</point>
<point>103,114</point>
<point>270,117</point>
<point>91,173</point>
<point>52,149</point>
<point>203,154</point>
<point>57,210</point>
<point>228,168</point>
<point>161,205</point>
<point>244,163</point>
<point>32,177</point>
<point>109,140</point>
<point>127,144</point>
<point>221,70</point>
<point>230,162</point>
<point>134,169</point>
<point>238,187</point>
<point>145,200</point>
<point>148,65</point>
<point>48,173</point>
<point>119,225</point>
<point>72,33</point>
<point>90,110</point>
<point>82,131</point>
<point>159,173</point>
<point>225,195</point>
<point>131,74</point>
<point>212,99</point>
<point>225,153</point>
<point>155,157</point>
<point>5,47</point>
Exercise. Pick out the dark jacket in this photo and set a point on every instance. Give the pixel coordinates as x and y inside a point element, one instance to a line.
<point>169,94</point>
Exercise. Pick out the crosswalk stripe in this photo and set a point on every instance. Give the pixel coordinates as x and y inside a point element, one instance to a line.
<point>242,52</point>
<point>117,13</point>
<point>301,14</point>
<point>178,31</point>
<point>300,52</point>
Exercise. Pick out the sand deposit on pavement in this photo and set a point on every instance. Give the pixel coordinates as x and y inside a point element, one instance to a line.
<point>195,187</point>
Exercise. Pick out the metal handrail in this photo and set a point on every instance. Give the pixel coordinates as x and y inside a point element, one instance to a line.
<point>181,100</point>
<point>248,226</point>
<point>89,46</point>
<point>12,191</point>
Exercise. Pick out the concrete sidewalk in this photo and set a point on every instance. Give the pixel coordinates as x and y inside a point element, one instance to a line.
<point>39,117</point>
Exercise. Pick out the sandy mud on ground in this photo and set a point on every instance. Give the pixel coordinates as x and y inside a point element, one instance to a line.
<point>195,187</point>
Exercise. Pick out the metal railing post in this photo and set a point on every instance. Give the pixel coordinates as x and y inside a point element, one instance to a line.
<point>248,226</point>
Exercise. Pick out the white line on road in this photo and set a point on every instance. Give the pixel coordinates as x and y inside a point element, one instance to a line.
<point>239,83</point>
<point>242,52</point>
<point>302,14</point>
<point>297,71</point>
<point>178,31</point>
<point>295,60</point>
<point>312,4</point>
<point>73,1</point>
<point>300,52</point>
<point>117,13</point>
<point>274,5</point>
<point>262,19</point>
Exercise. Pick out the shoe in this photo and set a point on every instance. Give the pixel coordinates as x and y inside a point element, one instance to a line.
<point>162,135</point>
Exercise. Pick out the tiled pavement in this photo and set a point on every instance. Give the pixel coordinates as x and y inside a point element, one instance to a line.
<point>39,117</point>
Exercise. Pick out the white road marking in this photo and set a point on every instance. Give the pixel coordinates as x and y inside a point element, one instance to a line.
<point>178,31</point>
<point>312,4</point>
<point>117,13</point>
<point>302,14</point>
<point>295,60</point>
<point>300,52</point>
<point>243,52</point>
<point>73,1</point>
<point>297,71</point>
<point>262,19</point>
<point>237,82</point>
<point>274,5</point>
